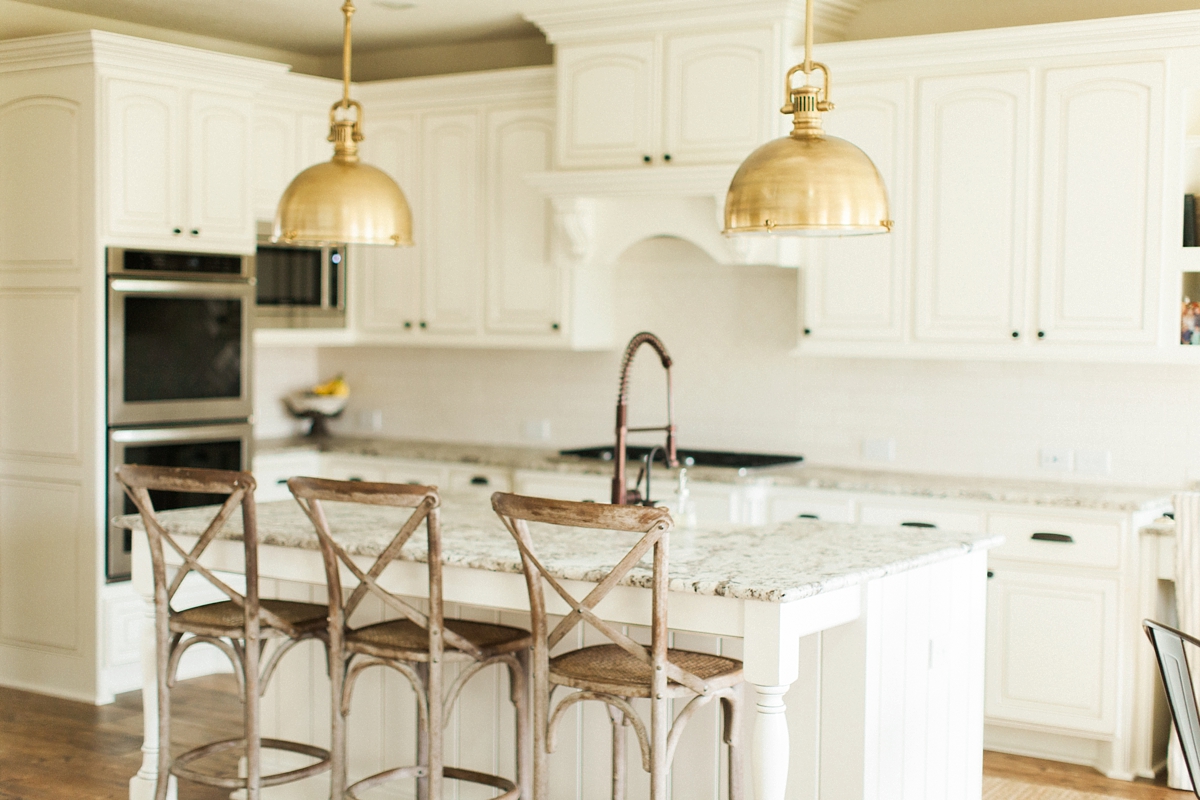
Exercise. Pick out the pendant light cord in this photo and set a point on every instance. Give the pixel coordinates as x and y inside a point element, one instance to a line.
<point>808,37</point>
<point>348,10</point>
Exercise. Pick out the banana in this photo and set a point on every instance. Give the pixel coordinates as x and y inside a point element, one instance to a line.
<point>334,388</point>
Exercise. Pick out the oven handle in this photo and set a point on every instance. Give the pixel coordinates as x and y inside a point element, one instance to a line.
<point>204,289</point>
<point>188,434</point>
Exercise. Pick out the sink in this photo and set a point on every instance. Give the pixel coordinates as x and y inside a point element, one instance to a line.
<point>689,458</point>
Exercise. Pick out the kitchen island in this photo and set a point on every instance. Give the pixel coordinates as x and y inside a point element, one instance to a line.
<point>899,612</point>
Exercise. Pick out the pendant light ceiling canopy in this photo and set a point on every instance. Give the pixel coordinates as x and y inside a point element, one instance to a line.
<point>343,199</point>
<point>807,183</point>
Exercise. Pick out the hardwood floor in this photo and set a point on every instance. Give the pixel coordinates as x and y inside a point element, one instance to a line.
<point>53,749</point>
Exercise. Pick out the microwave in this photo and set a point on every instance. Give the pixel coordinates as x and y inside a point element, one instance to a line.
<point>299,286</point>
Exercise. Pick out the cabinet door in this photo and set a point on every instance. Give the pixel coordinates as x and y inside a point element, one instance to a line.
<point>451,257</point>
<point>972,206</point>
<point>314,145</point>
<point>608,109</point>
<point>274,152</point>
<point>1051,650</point>
<point>524,293</point>
<point>1102,190</point>
<point>855,291</point>
<point>720,93</point>
<point>386,281</point>
<point>218,170</point>
<point>145,158</point>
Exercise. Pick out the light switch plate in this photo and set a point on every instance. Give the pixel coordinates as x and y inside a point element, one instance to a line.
<point>536,430</point>
<point>1056,459</point>
<point>879,449</point>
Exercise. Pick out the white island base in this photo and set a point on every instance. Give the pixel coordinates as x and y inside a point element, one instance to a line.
<point>870,690</point>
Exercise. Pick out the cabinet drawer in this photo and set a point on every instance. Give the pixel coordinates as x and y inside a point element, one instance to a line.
<point>920,516</point>
<point>580,488</point>
<point>272,470</point>
<point>1057,540</point>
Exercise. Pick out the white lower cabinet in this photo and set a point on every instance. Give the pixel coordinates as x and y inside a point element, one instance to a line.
<point>1052,649</point>
<point>919,515</point>
<point>580,488</point>
<point>785,503</point>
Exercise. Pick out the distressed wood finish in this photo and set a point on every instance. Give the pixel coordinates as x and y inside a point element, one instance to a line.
<point>243,641</point>
<point>615,674</point>
<point>417,645</point>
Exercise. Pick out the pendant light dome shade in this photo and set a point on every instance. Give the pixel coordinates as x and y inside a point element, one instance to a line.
<point>343,201</point>
<point>815,185</point>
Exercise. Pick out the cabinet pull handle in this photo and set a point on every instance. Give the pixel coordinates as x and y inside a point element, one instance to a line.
<point>195,231</point>
<point>176,231</point>
<point>480,480</point>
<point>282,481</point>
<point>1043,536</point>
<point>917,525</point>
<point>413,483</point>
<point>355,478</point>
<point>807,516</point>
<point>587,501</point>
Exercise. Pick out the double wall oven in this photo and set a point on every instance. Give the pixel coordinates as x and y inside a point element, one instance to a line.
<point>179,380</point>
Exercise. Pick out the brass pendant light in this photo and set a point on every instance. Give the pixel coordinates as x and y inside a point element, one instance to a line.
<point>343,199</point>
<point>807,183</point>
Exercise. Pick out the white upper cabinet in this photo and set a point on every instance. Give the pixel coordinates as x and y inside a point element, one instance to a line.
<point>524,287</point>
<point>1101,214</point>
<point>608,114</point>
<point>273,155</point>
<point>855,291</point>
<point>972,209</point>
<point>670,98</point>
<point>178,166</point>
<point>450,224</point>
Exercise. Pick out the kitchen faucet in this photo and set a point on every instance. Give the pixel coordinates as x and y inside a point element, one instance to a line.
<point>621,494</point>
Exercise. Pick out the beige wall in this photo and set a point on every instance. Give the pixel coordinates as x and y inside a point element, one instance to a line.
<point>730,330</point>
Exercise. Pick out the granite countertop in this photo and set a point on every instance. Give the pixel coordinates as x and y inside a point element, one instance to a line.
<point>900,484</point>
<point>774,563</point>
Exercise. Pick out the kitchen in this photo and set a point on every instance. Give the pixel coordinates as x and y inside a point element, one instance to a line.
<point>876,373</point>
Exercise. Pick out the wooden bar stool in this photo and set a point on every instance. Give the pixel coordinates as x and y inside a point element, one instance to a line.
<point>417,645</point>
<point>616,673</point>
<point>239,627</point>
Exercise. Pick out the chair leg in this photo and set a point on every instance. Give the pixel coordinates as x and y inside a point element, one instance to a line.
<point>619,739</point>
<point>520,700</point>
<point>253,734</point>
<point>541,717</point>
<point>423,738</point>
<point>731,708</point>
<point>337,724</point>
<point>163,649</point>
<point>660,722</point>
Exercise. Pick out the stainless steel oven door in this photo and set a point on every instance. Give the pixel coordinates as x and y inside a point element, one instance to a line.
<point>222,446</point>
<point>178,350</point>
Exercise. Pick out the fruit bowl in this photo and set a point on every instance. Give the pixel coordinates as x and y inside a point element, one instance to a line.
<point>317,407</point>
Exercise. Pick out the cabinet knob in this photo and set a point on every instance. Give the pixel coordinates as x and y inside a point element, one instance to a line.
<point>991,574</point>
<point>808,331</point>
<point>176,231</point>
<point>646,159</point>
<point>666,156</point>
<point>195,231</point>
<point>407,325</point>
<point>1041,334</point>
<point>553,326</point>
<point>1016,334</point>
<point>424,324</point>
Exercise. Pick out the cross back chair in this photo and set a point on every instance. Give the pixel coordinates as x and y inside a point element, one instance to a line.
<point>1177,681</point>
<point>240,626</point>
<point>417,644</point>
<point>616,673</point>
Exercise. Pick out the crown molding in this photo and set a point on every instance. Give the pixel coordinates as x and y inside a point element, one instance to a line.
<point>660,16</point>
<point>515,84</point>
<point>1165,31</point>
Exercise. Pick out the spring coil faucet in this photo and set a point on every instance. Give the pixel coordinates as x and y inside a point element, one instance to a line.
<point>621,495</point>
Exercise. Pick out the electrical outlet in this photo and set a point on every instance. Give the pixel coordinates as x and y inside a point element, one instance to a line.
<point>1056,459</point>
<point>879,449</point>
<point>370,420</point>
<point>1093,462</point>
<point>536,430</point>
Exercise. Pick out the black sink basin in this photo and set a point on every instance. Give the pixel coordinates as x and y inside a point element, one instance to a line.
<point>689,458</point>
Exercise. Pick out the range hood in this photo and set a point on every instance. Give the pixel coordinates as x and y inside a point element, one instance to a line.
<point>598,214</point>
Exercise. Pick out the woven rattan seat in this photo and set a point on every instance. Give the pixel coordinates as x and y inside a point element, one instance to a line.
<point>228,616</point>
<point>406,635</point>
<point>608,668</point>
